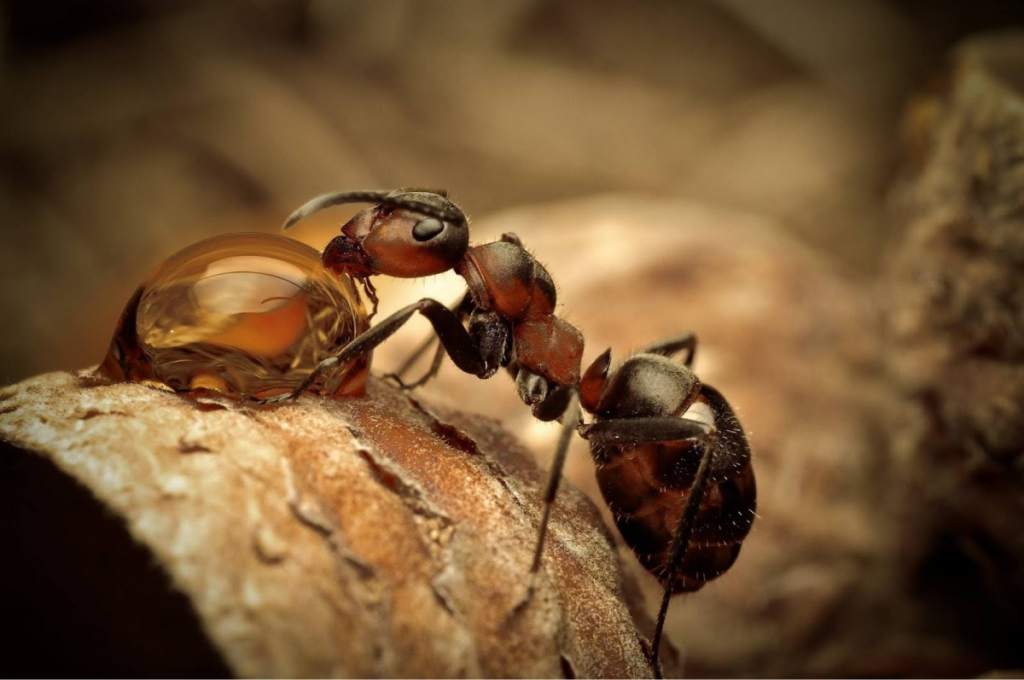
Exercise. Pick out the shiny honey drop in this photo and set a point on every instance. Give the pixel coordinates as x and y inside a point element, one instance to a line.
<point>243,314</point>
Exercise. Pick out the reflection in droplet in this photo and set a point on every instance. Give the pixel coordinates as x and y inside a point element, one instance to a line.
<point>243,314</point>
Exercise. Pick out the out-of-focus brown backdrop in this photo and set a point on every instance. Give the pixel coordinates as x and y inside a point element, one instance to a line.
<point>133,127</point>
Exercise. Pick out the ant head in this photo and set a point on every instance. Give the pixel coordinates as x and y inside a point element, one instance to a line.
<point>408,233</point>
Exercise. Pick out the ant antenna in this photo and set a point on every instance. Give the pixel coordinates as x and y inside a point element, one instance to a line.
<point>424,190</point>
<point>381,198</point>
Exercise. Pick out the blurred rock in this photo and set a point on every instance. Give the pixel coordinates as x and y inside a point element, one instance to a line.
<point>957,313</point>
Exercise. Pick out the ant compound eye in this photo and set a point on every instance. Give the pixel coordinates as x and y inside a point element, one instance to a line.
<point>427,228</point>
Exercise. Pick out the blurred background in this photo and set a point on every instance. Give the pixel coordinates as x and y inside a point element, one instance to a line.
<point>607,134</point>
<point>134,127</point>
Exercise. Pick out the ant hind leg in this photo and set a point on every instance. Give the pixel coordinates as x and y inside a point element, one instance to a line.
<point>626,431</point>
<point>666,347</point>
<point>677,551</point>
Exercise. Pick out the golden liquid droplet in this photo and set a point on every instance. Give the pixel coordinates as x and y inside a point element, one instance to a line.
<point>242,314</point>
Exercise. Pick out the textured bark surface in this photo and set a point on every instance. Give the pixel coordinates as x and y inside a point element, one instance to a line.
<point>365,537</point>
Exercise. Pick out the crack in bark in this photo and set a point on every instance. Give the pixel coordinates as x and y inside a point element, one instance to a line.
<point>371,593</point>
<point>391,480</point>
<point>437,529</point>
<point>303,509</point>
<point>458,439</point>
<point>186,446</point>
<point>311,515</point>
<point>267,545</point>
<point>96,413</point>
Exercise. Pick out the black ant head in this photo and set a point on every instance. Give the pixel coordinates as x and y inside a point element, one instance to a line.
<point>408,233</point>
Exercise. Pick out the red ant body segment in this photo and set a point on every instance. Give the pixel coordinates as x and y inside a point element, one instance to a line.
<point>505,279</point>
<point>672,460</point>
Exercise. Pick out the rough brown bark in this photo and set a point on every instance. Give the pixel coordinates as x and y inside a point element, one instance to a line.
<point>366,537</point>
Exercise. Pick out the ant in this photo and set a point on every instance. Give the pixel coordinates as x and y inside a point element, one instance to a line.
<point>672,460</point>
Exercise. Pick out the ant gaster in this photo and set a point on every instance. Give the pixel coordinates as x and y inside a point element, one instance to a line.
<point>672,460</point>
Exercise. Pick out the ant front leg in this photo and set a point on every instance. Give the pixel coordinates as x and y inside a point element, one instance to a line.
<point>454,337</point>
<point>635,431</point>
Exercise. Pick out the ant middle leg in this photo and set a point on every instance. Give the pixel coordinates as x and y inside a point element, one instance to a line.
<point>454,337</point>
<point>562,401</point>
<point>565,402</point>
<point>463,308</point>
<point>432,371</point>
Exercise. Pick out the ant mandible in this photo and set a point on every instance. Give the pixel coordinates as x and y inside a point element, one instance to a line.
<point>672,460</point>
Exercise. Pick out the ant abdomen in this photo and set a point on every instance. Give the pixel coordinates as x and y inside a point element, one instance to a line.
<point>646,486</point>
